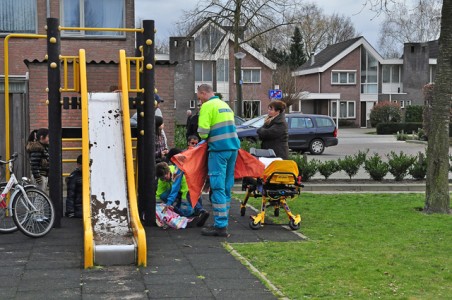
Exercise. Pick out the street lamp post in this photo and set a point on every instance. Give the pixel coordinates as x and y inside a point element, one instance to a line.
<point>238,82</point>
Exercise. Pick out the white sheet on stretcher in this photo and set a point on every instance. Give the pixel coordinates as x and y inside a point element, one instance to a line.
<point>268,160</point>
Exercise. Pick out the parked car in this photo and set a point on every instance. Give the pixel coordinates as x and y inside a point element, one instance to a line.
<point>311,133</point>
<point>254,122</point>
<point>238,121</point>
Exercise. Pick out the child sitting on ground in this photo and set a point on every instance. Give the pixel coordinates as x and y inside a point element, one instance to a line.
<point>172,189</point>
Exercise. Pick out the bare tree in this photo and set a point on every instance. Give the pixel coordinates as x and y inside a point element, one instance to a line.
<point>437,198</point>
<point>256,16</point>
<point>340,29</point>
<point>409,23</point>
<point>283,77</point>
<point>319,30</point>
<point>314,27</point>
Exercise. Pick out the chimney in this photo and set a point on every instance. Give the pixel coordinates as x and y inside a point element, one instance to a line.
<point>312,58</point>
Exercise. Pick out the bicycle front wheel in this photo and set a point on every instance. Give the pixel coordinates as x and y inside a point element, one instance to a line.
<point>7,224</point>
<point>35,216</point>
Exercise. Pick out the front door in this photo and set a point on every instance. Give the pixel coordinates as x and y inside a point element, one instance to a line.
<point>363,114</point>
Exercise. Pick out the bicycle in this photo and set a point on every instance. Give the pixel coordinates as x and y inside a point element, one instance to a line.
<point>29,209</point>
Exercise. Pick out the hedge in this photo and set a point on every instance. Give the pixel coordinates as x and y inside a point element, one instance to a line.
<point>391,128</point>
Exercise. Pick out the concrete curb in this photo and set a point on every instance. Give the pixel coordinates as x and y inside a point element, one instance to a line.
<point>358,188</point>
<point>365,188</point>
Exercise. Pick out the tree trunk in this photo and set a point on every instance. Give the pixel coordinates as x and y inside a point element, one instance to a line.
<point>437,198</point>
<point>237,62</point>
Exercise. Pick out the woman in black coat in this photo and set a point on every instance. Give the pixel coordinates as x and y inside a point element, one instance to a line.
<point>274,133</point>
<point>38,154</point>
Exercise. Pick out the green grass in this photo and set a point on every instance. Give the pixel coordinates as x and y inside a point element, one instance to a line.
<point>360,246</point>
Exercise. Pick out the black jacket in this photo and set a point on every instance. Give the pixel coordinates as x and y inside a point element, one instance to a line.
<point>275,136</point>
<point>75,193</point>
<point>192,127</point>
<point>38,155</point>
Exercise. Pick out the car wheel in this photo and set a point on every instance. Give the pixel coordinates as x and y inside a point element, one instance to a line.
<point>317,147</point>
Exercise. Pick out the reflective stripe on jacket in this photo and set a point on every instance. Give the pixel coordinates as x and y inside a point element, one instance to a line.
<point>216,125</point>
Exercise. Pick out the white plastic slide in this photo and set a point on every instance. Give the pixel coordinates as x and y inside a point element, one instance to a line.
<point>113,239</point>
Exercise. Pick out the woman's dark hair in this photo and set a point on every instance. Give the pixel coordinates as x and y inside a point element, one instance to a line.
<point>158,123</point>
<point>35,135</point>
<point>171,153</point>
<point>278,105</point>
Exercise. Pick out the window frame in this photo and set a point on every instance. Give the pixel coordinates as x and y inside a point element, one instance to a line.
<point>432,73</point>
<point>303,120</point>
<point>338,73</point>
<point>207,40</point>
<point>225,65</point>
<point>349,114</point>
<point>203,68</point>
<point>250,69</point>
<point>256,110</point>
<point>82,34</point>
<point>35,17</point>
<point>368,63</point>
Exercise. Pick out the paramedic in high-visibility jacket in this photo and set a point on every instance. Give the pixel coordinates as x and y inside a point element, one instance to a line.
<point>216,125</point>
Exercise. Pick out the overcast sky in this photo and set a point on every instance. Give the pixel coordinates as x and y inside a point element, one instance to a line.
<point>166,13</point>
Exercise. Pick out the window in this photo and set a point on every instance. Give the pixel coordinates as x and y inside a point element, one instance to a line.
<point>346,109</point>
<point>324,122</point>
<point>208,40</point>
<point>203,71</point>
<point>251,108</point>
<point>193,103</point>
<point>18,16</point>
<point>301,123</point>
<point>403,103</point>
<point>432,73</point>
<point>369,73</point>
<point>391,73</point>
<point>343,77</point>
<point>223,70</point>
<point>251,75</point>
<point>93,13</point>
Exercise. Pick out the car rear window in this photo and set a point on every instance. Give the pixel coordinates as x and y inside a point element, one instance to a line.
<point>301,123</point>
<point>324,122</point>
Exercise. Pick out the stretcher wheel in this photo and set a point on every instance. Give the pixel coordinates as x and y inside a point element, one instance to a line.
<point>276,212</point>
<point>294,226</point>
<point>255,226</point>
<point>242,211</point>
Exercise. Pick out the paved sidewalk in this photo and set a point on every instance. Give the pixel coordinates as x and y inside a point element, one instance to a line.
<point>182,264</point>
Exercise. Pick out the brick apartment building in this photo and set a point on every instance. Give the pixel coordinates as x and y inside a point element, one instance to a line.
<point>347,79</point>
<point>205,56</point>
<point>28,66</point>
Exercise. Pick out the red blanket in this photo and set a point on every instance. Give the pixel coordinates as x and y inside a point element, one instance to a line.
<point>193,163</point>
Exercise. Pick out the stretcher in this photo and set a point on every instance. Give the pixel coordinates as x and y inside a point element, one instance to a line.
<point>279,182</point>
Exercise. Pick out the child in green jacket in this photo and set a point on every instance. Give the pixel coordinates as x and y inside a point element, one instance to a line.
<point>172,189</point>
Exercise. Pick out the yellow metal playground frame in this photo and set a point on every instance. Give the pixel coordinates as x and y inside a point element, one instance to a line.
<point>80,85</point>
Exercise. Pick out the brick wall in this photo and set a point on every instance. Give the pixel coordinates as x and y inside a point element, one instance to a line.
<point>349,62</point>
<point>97,49</point>
<point>251,91</point>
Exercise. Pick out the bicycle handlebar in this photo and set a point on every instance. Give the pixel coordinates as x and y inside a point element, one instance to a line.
<point>13,158</point>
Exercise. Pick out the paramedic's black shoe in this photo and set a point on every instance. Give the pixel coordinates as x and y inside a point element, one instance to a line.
<point>214,231</point>
<point>202,218</point>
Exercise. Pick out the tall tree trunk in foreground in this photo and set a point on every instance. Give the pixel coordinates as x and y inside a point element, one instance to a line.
<point>437,199</point>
